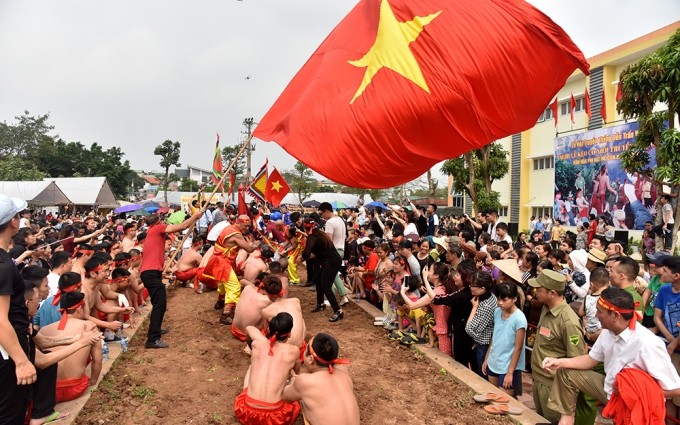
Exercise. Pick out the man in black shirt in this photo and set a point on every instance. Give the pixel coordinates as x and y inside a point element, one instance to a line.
<point>17,373</point>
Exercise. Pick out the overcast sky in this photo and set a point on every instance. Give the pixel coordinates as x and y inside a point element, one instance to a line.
<point>134,73</point>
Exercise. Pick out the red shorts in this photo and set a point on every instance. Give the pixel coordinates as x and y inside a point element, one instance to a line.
<point>250,411</point>
<point>71,389</point>
<point>238,333</point>
<point>186,275</point>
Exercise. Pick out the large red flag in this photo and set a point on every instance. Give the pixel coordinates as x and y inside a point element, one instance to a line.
<point>553,108</point>
<point>587,99</point>
<point>603,108</point>
<point>572,107</point>
<point>232,178</point>
<point>399,85</point>
<point>277,188</point>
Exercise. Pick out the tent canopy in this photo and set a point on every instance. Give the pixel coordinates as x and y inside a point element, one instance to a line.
<point>43,192</point>
<point>87,190</point>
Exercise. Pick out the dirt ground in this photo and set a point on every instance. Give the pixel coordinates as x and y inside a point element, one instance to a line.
<point>197,379</point>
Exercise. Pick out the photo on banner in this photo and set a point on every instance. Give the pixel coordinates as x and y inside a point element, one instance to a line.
<point>590,179</point>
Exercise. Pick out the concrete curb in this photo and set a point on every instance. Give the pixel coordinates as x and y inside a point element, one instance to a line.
<point>74,407</point>
<point>462,374</point>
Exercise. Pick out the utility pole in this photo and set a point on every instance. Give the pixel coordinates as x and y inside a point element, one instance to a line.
<point>248,123</point>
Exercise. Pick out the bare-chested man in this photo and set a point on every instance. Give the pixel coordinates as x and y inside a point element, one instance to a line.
<point>221,267</point>
<point>130,231</point>
<point>71,378</point>
<point>276,269</point>
<point>187,266</point>
<point>96,273</point>
<point>255,264</point>
<point>292,307</point>
<point>253,300</point>
<point>326,391</point>
<point>261,401</point>
<point>81,255</point>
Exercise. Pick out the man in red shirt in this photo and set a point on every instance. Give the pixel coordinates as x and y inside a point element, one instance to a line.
<point>153,261</point>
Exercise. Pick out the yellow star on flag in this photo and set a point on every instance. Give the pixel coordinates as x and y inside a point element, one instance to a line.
<point>276,186</point>
<point>391,49</point>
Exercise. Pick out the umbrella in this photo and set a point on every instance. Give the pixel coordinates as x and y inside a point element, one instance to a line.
<point>127,208</point>
<point>337,205</point>
<point>311,204</point>
<point>374,204</point>
<point>140,211</point>
<point>147,204</point>
<point>176,217</point>
<point>152,208</point>
<point>163,210</point>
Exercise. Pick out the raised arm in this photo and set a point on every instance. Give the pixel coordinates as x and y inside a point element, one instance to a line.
<point>173,228</point>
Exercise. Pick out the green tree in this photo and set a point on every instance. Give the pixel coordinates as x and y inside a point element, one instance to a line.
<point>325,189</point>
<point>188,185</point>
<point>14,168</point>
<point>654,79</point>
<point>21,139</point>
<point>169,153</point>
<point>301,180</point>
<point>239,168</point>
<point>475,171</point>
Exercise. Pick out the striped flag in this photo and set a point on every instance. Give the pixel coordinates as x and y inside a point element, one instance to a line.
<point>217,162</point>
<point>259,185</point>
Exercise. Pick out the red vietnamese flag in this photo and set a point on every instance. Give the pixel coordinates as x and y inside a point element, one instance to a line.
<point>603,108</point>
<point>399,85</point>
<point>587,99</point>
<point>553,108</point>
<point>277,188</point>
<point>572,107</point>
<point>619,92</point>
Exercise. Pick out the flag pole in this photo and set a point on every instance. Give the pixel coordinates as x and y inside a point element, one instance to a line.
<point>205,207</point>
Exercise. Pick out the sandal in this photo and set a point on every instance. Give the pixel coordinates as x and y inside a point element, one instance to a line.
<point>502,409</point>
<point>489,397</point>
<point>56,417</point>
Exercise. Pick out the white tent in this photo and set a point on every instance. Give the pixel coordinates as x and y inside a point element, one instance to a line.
<point>35,192</point>
<point>345,198</point>
<point>87,190</point>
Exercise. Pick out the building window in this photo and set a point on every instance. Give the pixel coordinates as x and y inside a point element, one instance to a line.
<point>542,211</point>
<point>544,163</point>
<point>546,115</point>
<point>458,199</point>
<point>564,108</point>
<point>503,211</point>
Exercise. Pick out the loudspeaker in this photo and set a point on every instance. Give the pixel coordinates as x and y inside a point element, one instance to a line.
<point>621,236</point>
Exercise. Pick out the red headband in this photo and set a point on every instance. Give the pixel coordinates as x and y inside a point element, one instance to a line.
<point>611,307</point>
<point>64,315</point>
<point>72,288</point>
<point>123,262</point>
<point>272,341</point>
<point>118,279</point>
<point>82,251</point>
<point>322,361</point>
<point>243,220</point>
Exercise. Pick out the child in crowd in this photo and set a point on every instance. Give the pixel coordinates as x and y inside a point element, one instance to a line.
<point>412,318</point>
<point>480,321</point>
<point>599,281</point>
<point>437,274</point>
<point>400,271</point>
<point>649,296</point>
<point>505,358</point>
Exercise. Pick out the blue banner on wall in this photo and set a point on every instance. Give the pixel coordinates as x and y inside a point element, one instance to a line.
<point>590,180</point>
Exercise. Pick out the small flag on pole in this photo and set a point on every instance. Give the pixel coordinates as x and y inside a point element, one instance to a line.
<point>553,108</point>
<point>277,188</point>
<point>572,107</point>
<point>588,111</point>
<point>217,162</point>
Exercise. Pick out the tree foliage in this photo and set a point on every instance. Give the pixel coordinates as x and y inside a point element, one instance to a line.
<point>654,79</point>
<point>239,168</point>
<point>29,152</point>
<point>169,152</point>
<point>301,180</point>
<point>475,171</point>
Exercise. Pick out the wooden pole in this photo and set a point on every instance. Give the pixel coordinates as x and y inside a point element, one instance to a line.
<point>224,175</point>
